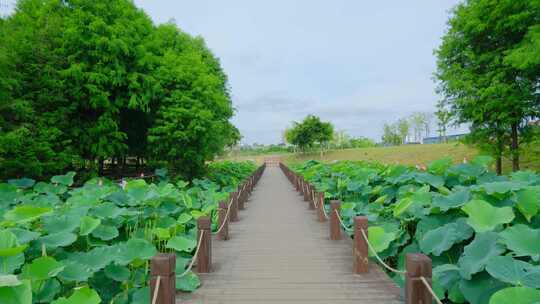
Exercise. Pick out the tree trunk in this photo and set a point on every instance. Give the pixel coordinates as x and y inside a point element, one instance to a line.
<point>498,164</point>
<point>514,149</point>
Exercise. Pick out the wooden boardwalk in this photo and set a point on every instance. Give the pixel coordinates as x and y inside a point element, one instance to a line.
<point>280,253</point>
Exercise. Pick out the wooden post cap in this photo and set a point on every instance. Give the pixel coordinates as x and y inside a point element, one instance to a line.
<point>204,223</point>
<point>163,264</point>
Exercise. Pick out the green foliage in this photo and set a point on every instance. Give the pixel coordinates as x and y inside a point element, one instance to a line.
<point>309,132</point>
<point>479,229</point>
<point>92,244</point>
<point>85,81</point>
<point>488,71</point>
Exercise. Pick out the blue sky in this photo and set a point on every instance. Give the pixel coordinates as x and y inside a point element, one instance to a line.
<point>357,63</point>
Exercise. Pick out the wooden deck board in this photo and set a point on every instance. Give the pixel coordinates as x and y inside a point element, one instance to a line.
<point>279,253</point>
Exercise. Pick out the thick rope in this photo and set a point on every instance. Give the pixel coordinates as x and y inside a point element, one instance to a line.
<point>225,220</point>
<point>156,290</point>
<point>341,221</point>
<point>194,256</point>
<point>430,290</point>
<point>377,256</point>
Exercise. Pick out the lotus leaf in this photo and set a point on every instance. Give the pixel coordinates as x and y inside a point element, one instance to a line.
<point>484,217</point>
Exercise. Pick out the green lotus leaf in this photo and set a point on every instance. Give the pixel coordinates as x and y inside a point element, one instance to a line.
<point>9,280</point>
<point>26,213</point>
<point>528,202</point>
<point>516,272</point>
<point>75,272</point>
<point>181,243</point>
<point>516,295</point>
<point>380,239</point>
<point>83,295</point>
<point>42,268</point>
<point>522,240</point>
<point>446,275</point>
<point>439,167</point>
<point>96,258</point>
<point>47,291</point>
<point>443,238</point>
<point>117,272</point>
<point>60,223</point>
<point>65,180</point>
<point>188,282</point>
<point>105,232</point>
<point>107,210</point>
<point>453,200</point>
<point>60,239</point>
<point>480,288</point>
<point>9,246</point>
<point>430,179</point>
<point>501,187</point>
<point>88,224</point>
<point>135,248</point>
<point>484,217</point>
<point>24,236</point>
<point>8,265</point>
<point>22,183</point>
<point>161,233</point>
<point>402,206</point>
<point>8,194</point>
<point>49,189</point>
<point>477,254</point>
<point>141,296</point>
<point>21,294</point>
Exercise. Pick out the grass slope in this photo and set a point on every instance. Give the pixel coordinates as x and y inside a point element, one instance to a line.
<point>408,155</point>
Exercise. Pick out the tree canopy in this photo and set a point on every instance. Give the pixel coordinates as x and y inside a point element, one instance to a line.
<point>489,71</point>
<point>309,132</point>
<point>83,82</point>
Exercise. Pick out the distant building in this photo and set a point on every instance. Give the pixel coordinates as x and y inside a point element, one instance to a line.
<point>440,139</point>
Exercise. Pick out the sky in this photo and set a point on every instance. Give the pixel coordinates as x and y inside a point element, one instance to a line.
<point>356,63</point>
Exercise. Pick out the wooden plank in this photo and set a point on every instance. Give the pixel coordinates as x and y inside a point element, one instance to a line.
<point>279,253</point>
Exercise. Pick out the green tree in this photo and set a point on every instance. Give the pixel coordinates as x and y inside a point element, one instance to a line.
<point>444,117</point>
<point>88,81</point>
<point>486,75</point>
<point>391,134</point>
<point>309,132</point>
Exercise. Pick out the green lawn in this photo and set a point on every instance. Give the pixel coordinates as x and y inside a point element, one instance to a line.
<point>408,154</point>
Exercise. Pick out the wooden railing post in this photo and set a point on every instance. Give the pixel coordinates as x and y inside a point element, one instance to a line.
<point>204,258</point>
<point>320,206</point>
<point>306,192</point>
<point>312,198</point>
<point>234,207</point>
<point>417,265</point>
<point>241,198</point>
<point>360,246</point>
<point>335,227</point>
<point>163,266</point>
<point>223,235</point>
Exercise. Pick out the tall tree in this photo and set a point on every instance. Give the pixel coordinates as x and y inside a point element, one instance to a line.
<point>482,73</point>
<point>309,132</point>
<point>444,117</point>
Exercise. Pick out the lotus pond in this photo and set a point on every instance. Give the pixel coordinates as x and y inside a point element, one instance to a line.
<point>482,231</point>
<point>92,244</point>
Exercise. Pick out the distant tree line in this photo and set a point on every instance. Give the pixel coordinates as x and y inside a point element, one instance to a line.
<point>408,129</point>
<point>488,71</point>
<point>84,83</point>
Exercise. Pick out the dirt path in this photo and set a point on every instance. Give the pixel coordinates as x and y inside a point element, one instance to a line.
<point>279,253</point>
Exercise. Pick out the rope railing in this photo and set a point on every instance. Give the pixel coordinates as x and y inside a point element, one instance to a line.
<point>156,290</point>
<point>225,219</point>
<point>194,256</point>
<point>341,222</point>
<point>378,257</point>
<point>428,286</point>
